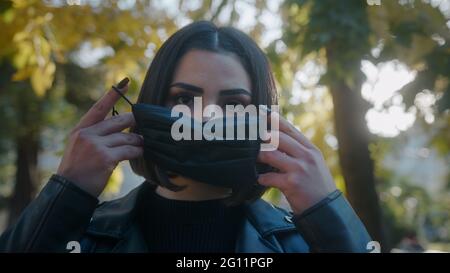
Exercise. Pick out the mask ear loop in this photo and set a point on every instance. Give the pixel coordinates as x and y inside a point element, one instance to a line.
<point>114,111</point>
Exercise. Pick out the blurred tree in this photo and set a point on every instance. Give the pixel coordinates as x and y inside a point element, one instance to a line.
<point>416,33</point>
<point>409,206</point>
<point>337,35</point>
<point>337,32</point>
<point>39,44</point>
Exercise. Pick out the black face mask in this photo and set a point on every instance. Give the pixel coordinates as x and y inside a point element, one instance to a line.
<point>225,163</point>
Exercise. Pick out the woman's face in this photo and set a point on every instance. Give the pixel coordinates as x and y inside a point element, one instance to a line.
<point>217,78</point>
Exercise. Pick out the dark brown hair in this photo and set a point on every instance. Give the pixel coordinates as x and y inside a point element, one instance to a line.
<point>204,35</point>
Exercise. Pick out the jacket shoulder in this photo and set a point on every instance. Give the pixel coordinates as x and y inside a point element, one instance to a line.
<point>269,218</point>
<point>113,218</point>
<point>275,226</point>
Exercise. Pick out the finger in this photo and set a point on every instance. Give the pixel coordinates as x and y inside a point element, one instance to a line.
<point>126,152</point>
<point>289,129</point>
<point>119,139</point>
<point>279,160</point>
<point>288,145</point>
<point>113,125</point>
<point>103,106</point>
<point>276,180</point>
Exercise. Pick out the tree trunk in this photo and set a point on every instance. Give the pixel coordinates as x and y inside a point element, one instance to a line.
<point>27,147</point>
<point>356,164</point>
<point>355,161</point>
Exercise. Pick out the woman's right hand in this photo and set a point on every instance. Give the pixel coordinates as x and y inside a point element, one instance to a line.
<point>96,145</point>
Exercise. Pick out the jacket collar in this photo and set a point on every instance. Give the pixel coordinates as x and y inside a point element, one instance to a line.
<point>114,219</point>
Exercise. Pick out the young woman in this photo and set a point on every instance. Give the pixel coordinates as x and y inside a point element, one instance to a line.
<point>170,212</point>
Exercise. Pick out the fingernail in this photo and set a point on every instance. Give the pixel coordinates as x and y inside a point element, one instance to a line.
<point>123,83</point>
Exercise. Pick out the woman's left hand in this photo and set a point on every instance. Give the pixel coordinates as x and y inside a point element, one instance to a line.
<point>303,176</point>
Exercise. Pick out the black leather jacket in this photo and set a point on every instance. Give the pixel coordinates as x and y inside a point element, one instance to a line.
<point>63,213</point>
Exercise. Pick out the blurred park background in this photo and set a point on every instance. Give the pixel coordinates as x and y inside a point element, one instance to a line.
<point>366,80</point>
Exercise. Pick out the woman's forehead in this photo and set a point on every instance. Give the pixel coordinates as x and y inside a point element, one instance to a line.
<point>210,70</point>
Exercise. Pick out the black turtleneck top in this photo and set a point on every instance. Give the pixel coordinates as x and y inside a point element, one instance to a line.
<point>188,226</point>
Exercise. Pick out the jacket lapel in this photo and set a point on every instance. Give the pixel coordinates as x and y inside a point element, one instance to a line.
<point>262,222</point>
<point>132,242</point>
<point>250,241</point>
<point>115,220</point>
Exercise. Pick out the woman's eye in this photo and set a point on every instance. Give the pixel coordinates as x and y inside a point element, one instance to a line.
<point>184,99</point>
<point>235,103</point>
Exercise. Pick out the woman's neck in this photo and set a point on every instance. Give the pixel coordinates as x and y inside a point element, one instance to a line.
<point>193,191</point>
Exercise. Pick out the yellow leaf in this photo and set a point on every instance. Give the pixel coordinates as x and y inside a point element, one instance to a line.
<point>42,78</point>
<point>20,36</point>
<point>18,4</point>
<point>37,82</point>
<point>24,52</point>
<point>22,74</point>
<point>44,47</point>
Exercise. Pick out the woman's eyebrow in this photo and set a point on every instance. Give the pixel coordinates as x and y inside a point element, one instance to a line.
<point>235,91</point>
<point>187,86</point>
<point>197,89</point>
